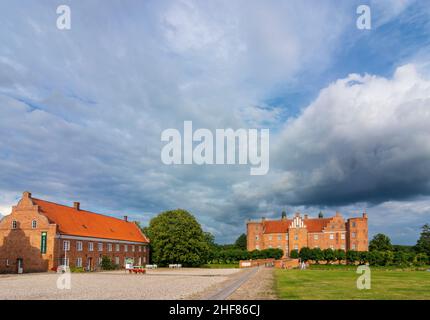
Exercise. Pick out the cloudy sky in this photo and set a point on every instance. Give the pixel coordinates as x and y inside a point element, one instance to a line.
<point>82,110</point>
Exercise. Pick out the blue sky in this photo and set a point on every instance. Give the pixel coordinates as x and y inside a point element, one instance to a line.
<point>82,110</point>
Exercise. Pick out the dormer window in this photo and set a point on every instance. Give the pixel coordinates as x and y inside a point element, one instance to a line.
<point>34,224</point>
<point>14,224</point>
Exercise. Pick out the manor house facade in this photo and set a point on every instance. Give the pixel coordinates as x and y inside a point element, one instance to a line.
<point>302,231</point>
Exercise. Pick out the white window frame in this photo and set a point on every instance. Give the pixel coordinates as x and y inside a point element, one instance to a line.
<point>331,236</point>
<point>110,247</point>
<point>140,248</point>
<point>90,246</point>
<point>342,236</point>
<point>66,245</point>
<point>14,224</point>
<point>117,247</point>
<point>79,245</point>
<point>125,248</point>
<point>117,260</point>
<point>79,262</point>
<point>100,247</point>
<point>316,237</point>
<point>33,224</point>
<point>133,248</point>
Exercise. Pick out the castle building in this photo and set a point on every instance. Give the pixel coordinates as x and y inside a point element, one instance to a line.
<point>298,232</point>
<point>40,235</point>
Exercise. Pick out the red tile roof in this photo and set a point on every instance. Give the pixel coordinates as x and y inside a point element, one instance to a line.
<point>83,223</point>
<point>277,226</point>
<point>316,225</point>
<point>281,226</point>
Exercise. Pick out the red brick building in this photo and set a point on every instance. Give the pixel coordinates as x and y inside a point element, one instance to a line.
<point>298,232</point>
<point>39,236</point>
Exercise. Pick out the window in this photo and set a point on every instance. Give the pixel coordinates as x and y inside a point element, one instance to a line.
<point>342,236</point>
<point>279,237</point>
<point>132,248</point>
<point>100,246</point>
<point>34,224</point>
<point>270,246</point>
<point>296,237</point>
<point>90,246</point>
<point>270,237</point>
<point>144,249</point>
<point>65,261</point>
<point>7,262</point>
<point>79,262</point>
<point>144,260</point>
<point>353,224</point>
<point>279,247</point>
<point>79,245</point>
<point>353,246</point>
<point>66,245</point>
<point>125,248</point>
<point>296,247</point>
<point>286,236</point>
<point>109,247</point>
<point>257,247</point>
<point>331,236</point>
<point>256,238</point>
<point>353,234</point>
<point>331,247</point>
<point>342,247</point>
<point>140,248</point>
<point>117,247</point>
<point>315,237</point>
<point>116,260</point>
<point>14,224</point>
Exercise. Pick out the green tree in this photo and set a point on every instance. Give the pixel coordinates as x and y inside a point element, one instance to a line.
<point>294,254</point>
<point>107,264</point>
<point>340,255</point>
<point>352,256</point>
<point>423,243</point>
<point>380,242</point>
<point>305,254</point>
<point>177,237</point>
<point>317,255</point>
<point>240,242</point>
<point>329,255</point>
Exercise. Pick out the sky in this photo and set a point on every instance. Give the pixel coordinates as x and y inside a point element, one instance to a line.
<point>82,110</point>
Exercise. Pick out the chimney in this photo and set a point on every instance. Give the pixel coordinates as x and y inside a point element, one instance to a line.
<point>338,214</point>
<point>77,205</point>
<point>364,215</point>
<point>125,218</point>
<point>306,216</point>
<point>263,219</point>
<point>284,215</point>
<point>26,194</point>
<point>297,214</point>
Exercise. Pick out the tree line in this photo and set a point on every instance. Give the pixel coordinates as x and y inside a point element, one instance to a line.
<point>177,237</point>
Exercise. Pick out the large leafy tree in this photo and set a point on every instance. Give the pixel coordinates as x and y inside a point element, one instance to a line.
<point>423,243</point>
<point>240,242</point>
<point>177,237</point>
<point>380,242</point>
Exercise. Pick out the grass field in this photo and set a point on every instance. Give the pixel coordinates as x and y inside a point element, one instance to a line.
<point>341,284</point>
<point>221,265</point>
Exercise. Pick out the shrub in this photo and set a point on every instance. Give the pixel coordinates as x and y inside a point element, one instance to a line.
<point>107,264</point>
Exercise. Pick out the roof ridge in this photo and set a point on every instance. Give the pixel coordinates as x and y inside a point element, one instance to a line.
<point>91,212</point>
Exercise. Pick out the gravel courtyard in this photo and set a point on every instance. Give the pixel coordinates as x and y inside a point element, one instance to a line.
<point>156,284</point>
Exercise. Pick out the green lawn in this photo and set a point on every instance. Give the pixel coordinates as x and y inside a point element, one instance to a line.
<point>341,284</point>
<point>220,265</point>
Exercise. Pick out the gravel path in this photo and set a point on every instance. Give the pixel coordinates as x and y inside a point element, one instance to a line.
<point>156,284</point>
<point>258,287</point>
